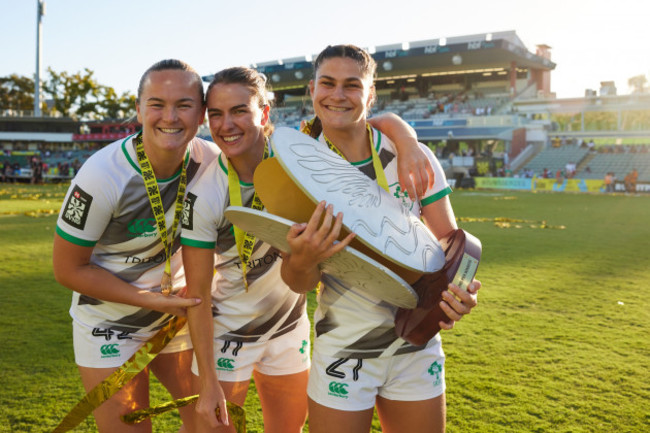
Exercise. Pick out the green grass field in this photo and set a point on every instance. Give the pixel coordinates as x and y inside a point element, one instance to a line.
<point>560,341</point>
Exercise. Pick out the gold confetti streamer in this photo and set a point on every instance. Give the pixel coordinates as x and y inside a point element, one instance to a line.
<point>236,414</point>
<point>506,223</point>
<point>113,383</point>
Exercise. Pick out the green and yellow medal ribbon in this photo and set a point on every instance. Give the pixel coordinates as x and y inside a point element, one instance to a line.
<point>244,241</point>
<point>113,383</point>
<point>376,162</point>
<point>151,186</point>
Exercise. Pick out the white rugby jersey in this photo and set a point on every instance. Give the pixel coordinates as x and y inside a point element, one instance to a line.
<point>349,323</point>
<point>269,308</point>
<point>107,208</point>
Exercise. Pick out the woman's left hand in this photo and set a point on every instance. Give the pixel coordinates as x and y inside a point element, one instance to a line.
<point>457,302</point>
<point>415,172</point>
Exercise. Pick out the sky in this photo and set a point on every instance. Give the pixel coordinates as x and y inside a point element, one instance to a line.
<point>591,41</point>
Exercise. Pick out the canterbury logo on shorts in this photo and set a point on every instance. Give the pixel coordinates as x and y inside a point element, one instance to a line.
<point>225,364</point>
<point>110,350</point>
<point>338,389</point>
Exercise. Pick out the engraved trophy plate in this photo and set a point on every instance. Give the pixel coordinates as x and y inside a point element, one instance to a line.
<point>380,222</point>
<point>348,265</point>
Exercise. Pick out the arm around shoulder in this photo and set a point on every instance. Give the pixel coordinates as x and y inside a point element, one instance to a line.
<point>414,170</point>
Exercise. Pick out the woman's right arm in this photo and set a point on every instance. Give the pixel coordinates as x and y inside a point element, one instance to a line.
<point>310,244</point>
<point>199,270</point>
<point>73,269</point>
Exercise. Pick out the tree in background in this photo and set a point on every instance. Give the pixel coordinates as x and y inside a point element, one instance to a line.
<point>114,106</point>
<point>16,93</point>
<point>73,95</point>
<point>638,83</point>
<point>77,95</point>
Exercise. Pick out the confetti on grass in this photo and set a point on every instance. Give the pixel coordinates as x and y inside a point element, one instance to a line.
<point>507,223</point>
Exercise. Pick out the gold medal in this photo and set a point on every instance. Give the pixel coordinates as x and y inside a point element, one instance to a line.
<point>166,284</point>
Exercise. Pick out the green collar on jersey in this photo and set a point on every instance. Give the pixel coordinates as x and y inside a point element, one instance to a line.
<point>136,167</point>
<point>224,165</point>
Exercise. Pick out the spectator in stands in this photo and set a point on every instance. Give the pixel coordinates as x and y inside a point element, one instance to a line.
<point>545,173</point>
<point>570,169</point>
<point>6,170</point>
<point>37,170</point>
<point>76,165</point>
<point>591,145</point>
<point>609,182</point>
<point>360,337</point>
<point>631,180</point>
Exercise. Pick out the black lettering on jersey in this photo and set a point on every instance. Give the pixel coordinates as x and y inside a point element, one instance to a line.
<point>106,333</point>
<point>332,369</point>
<point>235,350</point>
<point>77,208</point>
<point>187,217</point>
<point>355,370</point>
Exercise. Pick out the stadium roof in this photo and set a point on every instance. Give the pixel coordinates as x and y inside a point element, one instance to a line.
<point>457,55</point>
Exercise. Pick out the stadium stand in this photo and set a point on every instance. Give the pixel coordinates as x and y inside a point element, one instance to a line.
<point>482,102</point>
<point>556,158</point>
<point>618,163</point>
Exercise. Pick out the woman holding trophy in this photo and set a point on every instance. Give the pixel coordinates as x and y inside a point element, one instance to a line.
<point>359,362</point>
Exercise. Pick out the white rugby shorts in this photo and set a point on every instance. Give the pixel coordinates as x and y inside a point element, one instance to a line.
<point>353,384</point>
<point>107,348</point>
<point>283,355</point>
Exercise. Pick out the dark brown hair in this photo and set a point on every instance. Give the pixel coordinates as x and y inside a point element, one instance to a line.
<point>364,60</point>
<point>170,64</point>
<point>250,78</point>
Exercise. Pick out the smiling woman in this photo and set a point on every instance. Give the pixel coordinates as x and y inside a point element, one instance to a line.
<point>115,245</point>
<point>170,109</point>
<point>359,362</point>
<point>262,328</point>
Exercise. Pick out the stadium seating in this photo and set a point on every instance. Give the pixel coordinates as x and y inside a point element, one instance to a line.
<point>619,163</point>
<point>556,158</point>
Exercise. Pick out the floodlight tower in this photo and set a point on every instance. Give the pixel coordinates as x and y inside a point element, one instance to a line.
<point>40,11</point>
